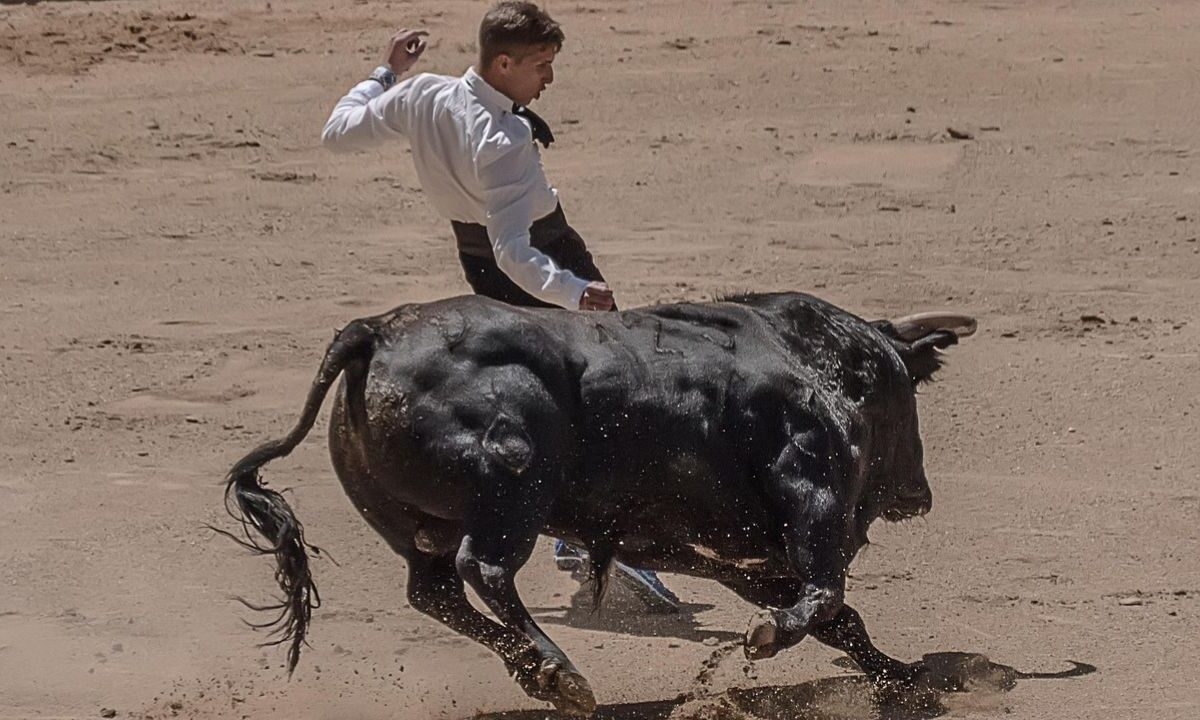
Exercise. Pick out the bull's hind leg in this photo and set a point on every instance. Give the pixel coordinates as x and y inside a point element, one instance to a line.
<point>435,589</point>
<point>502,526</point>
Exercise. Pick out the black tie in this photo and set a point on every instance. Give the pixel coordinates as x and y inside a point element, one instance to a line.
<point>541,130</point>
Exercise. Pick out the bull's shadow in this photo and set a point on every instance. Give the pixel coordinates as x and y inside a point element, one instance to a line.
<point>621,612</point>
<point>951,680</point>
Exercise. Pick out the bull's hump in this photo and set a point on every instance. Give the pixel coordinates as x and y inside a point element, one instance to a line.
<point>680,331</point>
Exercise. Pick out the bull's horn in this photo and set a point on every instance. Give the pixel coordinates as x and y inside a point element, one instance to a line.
<point>914,327</point>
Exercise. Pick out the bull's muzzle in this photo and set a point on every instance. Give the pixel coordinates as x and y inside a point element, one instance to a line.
<point>910,506</point>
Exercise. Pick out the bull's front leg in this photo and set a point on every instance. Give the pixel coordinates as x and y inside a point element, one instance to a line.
<point>807,486</point>
<point>848,633</point>
<point>845,632</point>
<point>773,630</point>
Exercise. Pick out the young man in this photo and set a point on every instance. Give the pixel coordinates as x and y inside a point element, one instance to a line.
<point>474,145</point>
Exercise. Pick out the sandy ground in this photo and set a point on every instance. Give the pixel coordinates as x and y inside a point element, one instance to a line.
<point>175,250</point>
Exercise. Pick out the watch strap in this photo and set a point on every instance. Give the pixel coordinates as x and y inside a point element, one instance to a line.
<point>384,76</point>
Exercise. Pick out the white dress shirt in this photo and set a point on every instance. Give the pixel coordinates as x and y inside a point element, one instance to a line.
<point>476,160</point>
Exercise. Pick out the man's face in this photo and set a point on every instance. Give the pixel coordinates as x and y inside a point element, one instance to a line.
<point>528,75</point>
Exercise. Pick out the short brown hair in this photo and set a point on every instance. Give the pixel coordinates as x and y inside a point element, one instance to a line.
<point>512,27</point>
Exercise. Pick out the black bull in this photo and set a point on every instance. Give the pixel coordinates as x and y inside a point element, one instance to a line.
<point>751,441</point>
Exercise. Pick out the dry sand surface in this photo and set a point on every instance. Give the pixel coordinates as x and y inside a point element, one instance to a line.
<point>175,250</point>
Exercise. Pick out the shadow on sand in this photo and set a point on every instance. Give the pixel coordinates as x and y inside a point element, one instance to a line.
<point>951,681</point>
<point>621,612</point>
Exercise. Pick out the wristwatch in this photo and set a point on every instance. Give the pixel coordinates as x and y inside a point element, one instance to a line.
<point>384,76</point>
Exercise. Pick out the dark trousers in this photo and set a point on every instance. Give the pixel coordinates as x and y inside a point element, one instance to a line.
<point>551,235</point>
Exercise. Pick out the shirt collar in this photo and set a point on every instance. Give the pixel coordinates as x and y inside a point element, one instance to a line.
<point>489,96</point>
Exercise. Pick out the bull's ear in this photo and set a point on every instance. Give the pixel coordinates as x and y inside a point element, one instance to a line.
<point>923,357</point>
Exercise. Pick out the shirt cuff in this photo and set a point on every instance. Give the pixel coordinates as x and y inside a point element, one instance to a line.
<point>575,287</point>
<point>368,89</point>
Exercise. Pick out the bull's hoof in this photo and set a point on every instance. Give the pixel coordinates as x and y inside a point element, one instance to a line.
<point>761,638</point>
<point>566,689</point>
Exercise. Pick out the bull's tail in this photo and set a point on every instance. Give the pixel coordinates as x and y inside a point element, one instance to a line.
<point>269,527</point>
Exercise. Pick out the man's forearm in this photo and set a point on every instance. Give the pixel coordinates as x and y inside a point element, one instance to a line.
<point>536,273</point>
<point>359,120</point>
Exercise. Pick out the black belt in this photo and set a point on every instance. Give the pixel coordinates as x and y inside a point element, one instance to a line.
<point>472,238</point>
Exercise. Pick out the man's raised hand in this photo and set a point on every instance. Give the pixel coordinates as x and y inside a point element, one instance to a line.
<point>406,46</point>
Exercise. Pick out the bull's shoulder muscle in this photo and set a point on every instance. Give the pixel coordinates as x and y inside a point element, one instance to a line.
<point>673,340</point>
